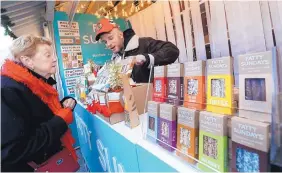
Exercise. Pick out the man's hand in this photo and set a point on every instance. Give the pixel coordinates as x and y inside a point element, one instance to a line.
<point>69,103</point>
<point>139,59</point>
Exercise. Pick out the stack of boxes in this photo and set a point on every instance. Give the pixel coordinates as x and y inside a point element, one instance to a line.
<point>206,127</point>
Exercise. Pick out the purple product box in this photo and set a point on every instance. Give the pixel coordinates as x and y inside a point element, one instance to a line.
<point>167,127</point>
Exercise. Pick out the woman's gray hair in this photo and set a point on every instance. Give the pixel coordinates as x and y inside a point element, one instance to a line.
<point>26,45</point>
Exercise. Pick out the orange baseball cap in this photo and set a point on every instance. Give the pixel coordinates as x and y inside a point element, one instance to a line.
<point>104,26</point>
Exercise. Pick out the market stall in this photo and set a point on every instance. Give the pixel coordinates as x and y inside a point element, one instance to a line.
<point>217,108</point>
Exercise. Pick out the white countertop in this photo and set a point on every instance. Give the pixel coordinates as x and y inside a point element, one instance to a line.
<point>135,136</point>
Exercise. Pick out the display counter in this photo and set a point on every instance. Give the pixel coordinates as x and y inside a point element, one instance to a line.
<point>117,148</point>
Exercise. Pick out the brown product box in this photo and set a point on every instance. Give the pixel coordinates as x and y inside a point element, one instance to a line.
<point>160,84</point>
<point>167,124</point>
<point>251,133</point>
<point>175,73</point>
<point>153,108</point>
<point>250,139</point>
<point>187,133</point>
<point>152,121</point>
<point>255,84</point>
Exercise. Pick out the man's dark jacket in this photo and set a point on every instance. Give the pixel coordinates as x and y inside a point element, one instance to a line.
<point>163,53</point>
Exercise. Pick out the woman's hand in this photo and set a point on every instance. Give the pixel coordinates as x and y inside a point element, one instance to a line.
<point>69,103</point>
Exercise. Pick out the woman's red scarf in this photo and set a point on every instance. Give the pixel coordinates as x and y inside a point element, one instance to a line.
<point>44,91</point>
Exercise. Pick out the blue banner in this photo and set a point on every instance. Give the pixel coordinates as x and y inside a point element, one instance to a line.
<point>76,44</point>
<point>150,163</point>
<point>103,148</point>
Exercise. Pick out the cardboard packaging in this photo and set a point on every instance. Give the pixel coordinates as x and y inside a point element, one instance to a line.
<point>104,101</point>
<point>113,119</point>
<point>250,145</point>
<point>188,133</point>
<point>167,126</point>
<point>115,102</point>
<point>135,100</point>
<point>220,85</point>
<point>194,85</point>
<point>213,144</point>
<point>256,86</point>
<point>175,73</point>
<point>160,82</point>
<point>153,115</point>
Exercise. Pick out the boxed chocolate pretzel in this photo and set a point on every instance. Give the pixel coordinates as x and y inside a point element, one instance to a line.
<point>153,116</point>
<point>256,86</point>
<point>250,145</point>
<point>175,73</point>
<point>213,142</point>
<point>188,133</point>
<point>194,85</point>
<point>167,125</point>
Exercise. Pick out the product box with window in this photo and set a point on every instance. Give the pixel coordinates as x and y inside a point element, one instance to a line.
<point>194,85</point>
<point>167,126</point>
<point>160,82</point>
<point>175,73</point>
<point>213,144</point>
<point>220,85</point>
<point>250,145</point>
<point>153,116</point>
<point>187,133</point>
<point>256,86</point>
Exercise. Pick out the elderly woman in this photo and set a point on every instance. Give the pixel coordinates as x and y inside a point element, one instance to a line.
<point>34,123</point>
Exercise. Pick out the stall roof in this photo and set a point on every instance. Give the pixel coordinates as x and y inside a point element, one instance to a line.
<point>121,8</point>
<point>28,16</point>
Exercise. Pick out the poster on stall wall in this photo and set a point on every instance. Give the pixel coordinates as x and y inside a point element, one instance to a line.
<point>76,44</point>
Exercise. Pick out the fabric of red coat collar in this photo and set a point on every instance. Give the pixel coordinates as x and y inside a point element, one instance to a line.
<point>44,91</point>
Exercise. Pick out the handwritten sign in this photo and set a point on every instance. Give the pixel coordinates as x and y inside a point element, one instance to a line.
<point>65,25</point>
<point>71,81</point>
<point>68,33</point>
<point>74,72</point>
<point>66,41</point>
<point>70,90</point>
<point>71,49</point>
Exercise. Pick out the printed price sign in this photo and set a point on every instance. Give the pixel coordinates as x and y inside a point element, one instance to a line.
<point>71,82</point>
<point>70,49</point>
<point>68,33</point>
<point>74,73</point>
<point>70,90</point>
<point>66,41</point>
<point>65,25</point>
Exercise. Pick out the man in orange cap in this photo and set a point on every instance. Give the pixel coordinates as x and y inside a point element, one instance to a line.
<point>147,51</point>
